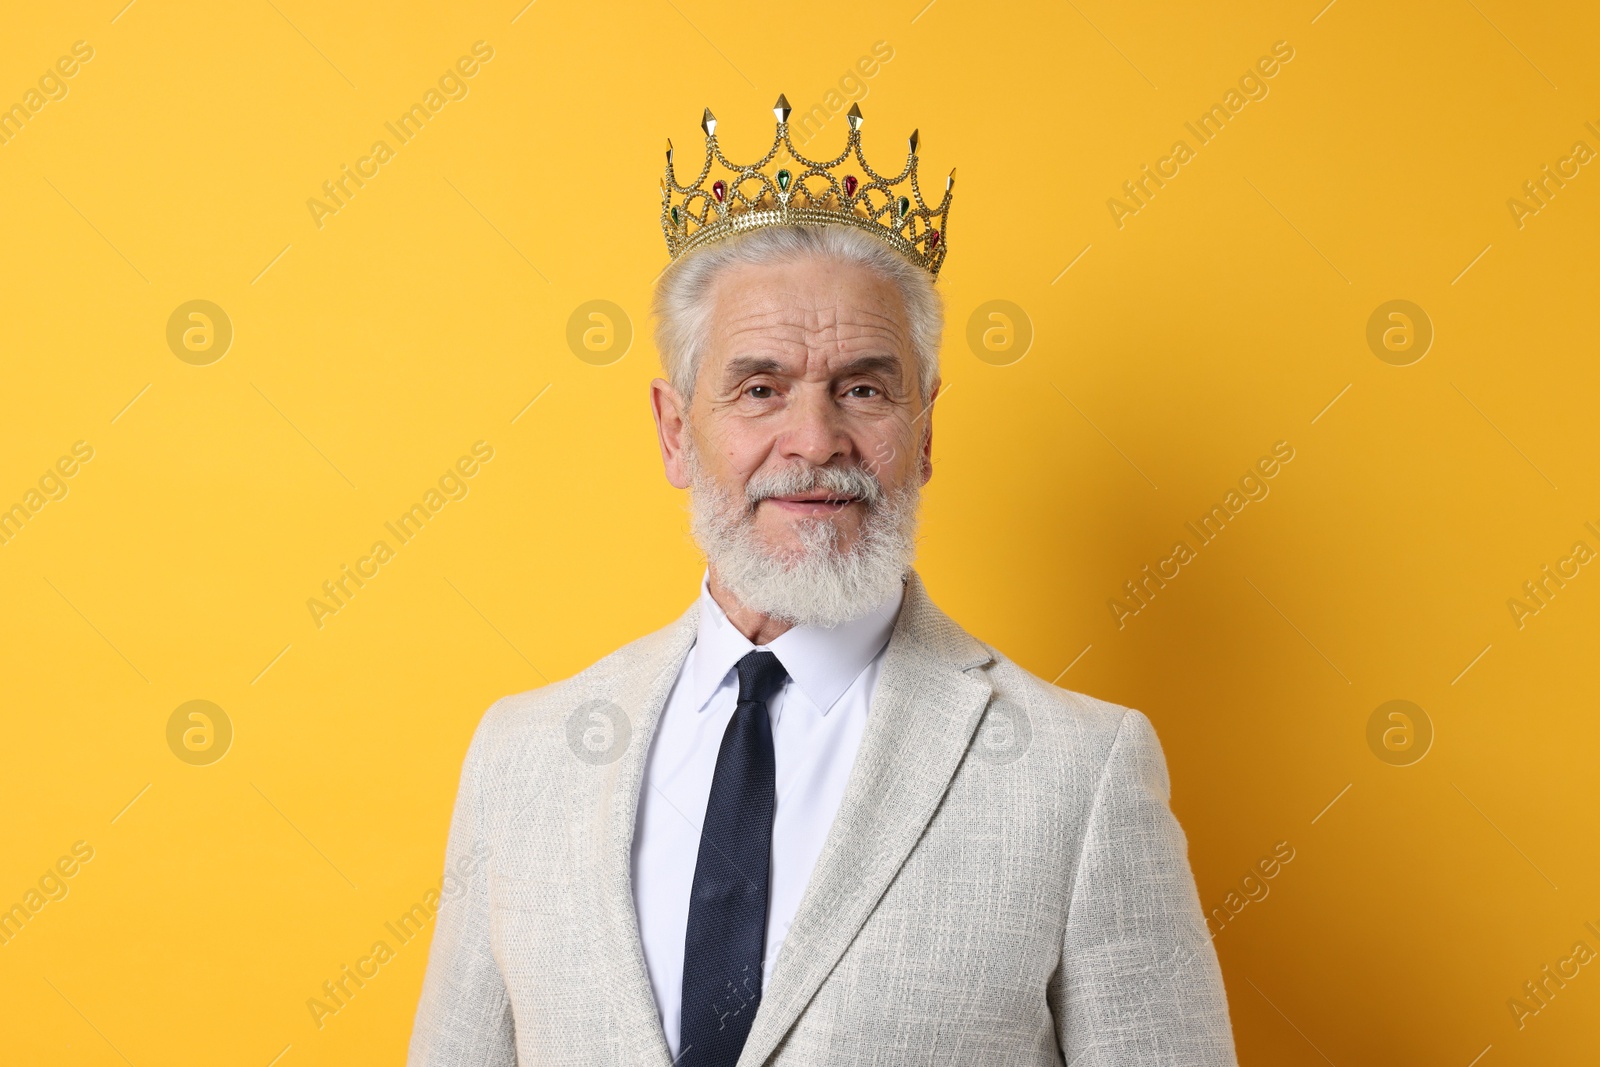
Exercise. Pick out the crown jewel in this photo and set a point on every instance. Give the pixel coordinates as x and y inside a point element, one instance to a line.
<point>784,187</point>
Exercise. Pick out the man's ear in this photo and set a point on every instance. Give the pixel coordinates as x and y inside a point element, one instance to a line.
<point>671,428</point>
<point>926,458</point>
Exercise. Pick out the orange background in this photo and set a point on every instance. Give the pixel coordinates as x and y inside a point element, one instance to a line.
<point>1228,313</point>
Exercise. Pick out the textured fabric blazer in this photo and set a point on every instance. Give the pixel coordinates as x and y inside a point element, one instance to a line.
<point>1004,883</point>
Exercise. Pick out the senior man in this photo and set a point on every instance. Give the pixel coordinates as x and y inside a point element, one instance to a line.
<point>813,821</point>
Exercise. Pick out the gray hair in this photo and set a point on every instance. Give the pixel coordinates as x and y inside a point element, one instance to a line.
<point>682,305</point>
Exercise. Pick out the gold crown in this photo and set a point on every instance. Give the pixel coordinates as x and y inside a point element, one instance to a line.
<point>813,192</point>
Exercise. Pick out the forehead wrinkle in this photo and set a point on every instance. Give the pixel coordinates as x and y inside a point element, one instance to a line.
<point>818,327</point>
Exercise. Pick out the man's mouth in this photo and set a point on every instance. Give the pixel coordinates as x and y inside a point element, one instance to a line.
<point>815,503</point>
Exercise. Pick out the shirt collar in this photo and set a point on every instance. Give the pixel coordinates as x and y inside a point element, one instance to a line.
<point>823,661</point>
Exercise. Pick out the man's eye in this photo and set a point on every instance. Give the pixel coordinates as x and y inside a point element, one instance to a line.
<point>760,392</point>
<point>863,392</point>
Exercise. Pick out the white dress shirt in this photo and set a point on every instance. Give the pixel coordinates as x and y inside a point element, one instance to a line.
<point>817,720</point>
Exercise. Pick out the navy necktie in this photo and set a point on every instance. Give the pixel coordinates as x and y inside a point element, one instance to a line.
<point>728,905</point>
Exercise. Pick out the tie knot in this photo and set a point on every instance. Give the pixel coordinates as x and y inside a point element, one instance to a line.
<point>760,675</point>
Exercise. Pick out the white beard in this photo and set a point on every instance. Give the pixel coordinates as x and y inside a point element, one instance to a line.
<point>818,584</point>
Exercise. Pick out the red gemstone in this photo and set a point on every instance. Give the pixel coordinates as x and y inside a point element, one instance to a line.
<point>933,240</point>
<point>719,190</point>
<point>849,185</point>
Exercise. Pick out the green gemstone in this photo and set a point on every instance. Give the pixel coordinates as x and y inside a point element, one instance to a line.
<point>783,180</point>
<point>904,204</point>
<point>674,216</point>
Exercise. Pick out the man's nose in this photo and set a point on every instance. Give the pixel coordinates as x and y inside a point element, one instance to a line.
<point>814,430</point>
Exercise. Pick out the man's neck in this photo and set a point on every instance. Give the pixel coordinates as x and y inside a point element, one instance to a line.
<point>757,628</point>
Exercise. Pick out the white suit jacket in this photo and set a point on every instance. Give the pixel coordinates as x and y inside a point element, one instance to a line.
<point>1004,883</point>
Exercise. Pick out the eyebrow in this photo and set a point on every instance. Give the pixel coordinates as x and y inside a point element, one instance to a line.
<point>888,366</point>
<point>741,367</point>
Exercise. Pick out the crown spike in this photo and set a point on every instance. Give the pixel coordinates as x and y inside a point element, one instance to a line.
<point>708,123</point>
<point>915,140</point>
<point>669,151</point>
<point>949,183</point>
<point>854,115</point>
<point>781,108</point>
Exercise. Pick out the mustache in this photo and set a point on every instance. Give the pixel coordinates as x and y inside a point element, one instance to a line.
<point>854,482</point>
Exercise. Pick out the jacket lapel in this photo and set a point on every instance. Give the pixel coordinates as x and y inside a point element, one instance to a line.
<point>924,712</point>
<point>641,686</point>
